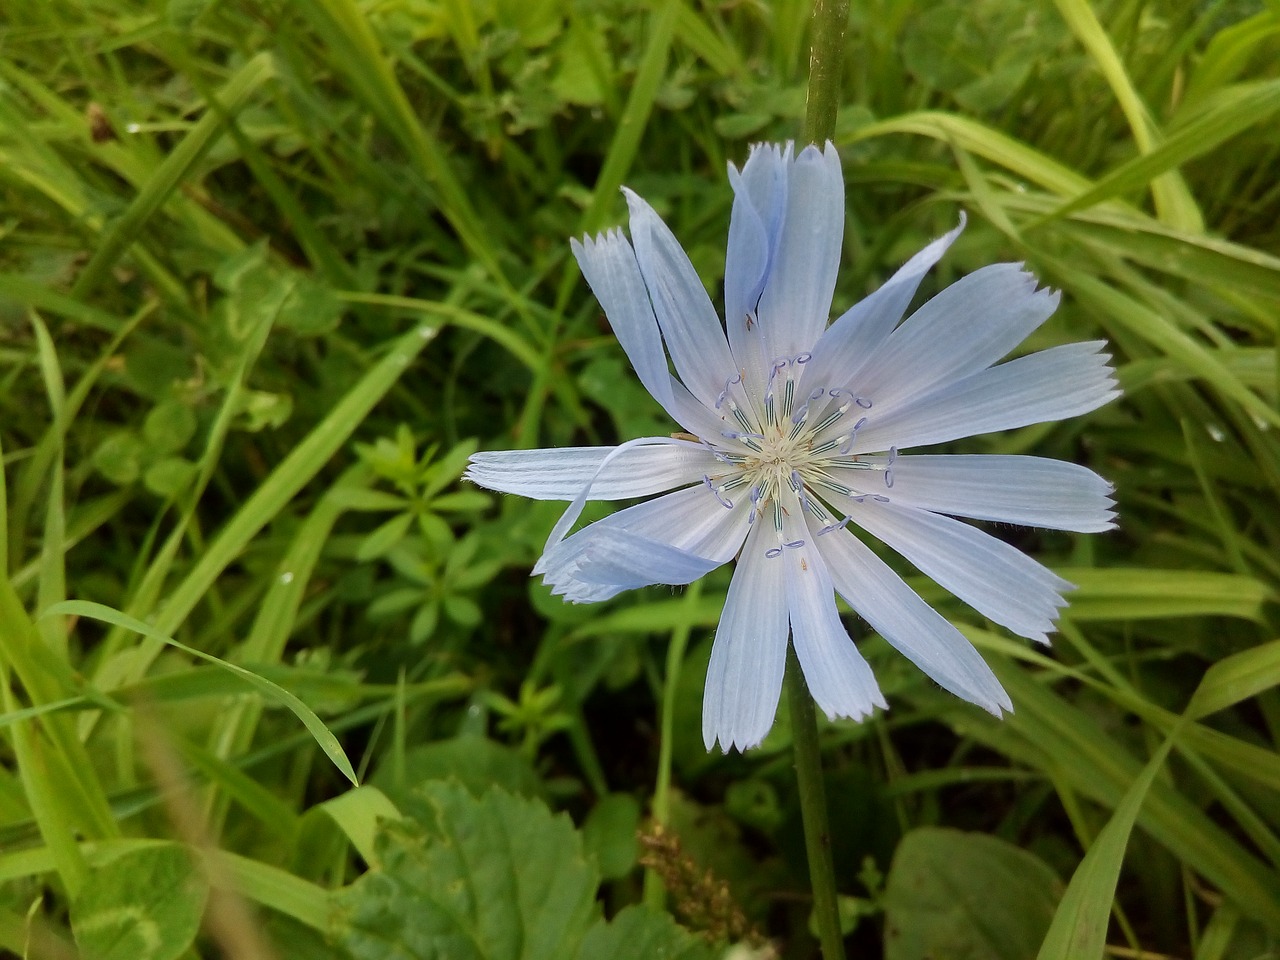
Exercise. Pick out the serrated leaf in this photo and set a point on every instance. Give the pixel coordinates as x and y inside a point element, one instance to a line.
<point>475,762</point>
<point>144,905</point>
<point>956,894</point>
<point>610,834</point>
<point>639,933</point>
<point>494,878</point>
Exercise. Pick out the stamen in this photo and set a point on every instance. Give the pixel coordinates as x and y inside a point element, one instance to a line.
<point>727,504</point>
<point>724,394</point>
<point>853,434</point>
<point>832,527</point>
<point>863,403</point>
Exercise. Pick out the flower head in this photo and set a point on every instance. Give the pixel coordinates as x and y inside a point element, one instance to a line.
<point>795,432</point>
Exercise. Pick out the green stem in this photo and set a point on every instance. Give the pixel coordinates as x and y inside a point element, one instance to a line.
<point>826,62</point>
<point>813,810</point>
<point>654,891</point>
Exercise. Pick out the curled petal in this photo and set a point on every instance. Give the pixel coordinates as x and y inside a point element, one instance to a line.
<point>796,300</point>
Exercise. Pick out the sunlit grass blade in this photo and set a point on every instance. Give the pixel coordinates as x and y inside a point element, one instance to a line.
<point>1231,112</point>
<point>1174,202</point>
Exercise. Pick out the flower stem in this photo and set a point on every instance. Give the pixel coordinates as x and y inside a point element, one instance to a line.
<point>654,892</point>
<point>826,63</point>
<point>813,809</point>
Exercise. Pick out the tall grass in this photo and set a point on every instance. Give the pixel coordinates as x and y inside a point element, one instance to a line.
<point>269,272</point>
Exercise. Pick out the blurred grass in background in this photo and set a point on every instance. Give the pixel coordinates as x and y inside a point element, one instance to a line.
<point>270,271</point>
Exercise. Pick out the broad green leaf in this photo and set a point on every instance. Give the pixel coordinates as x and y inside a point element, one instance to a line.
<point>475,762</point>
<point>609,834</point>
<point>1079,929</point>
<point>639,933</point>
<point>273,691</point>
<point>492,878</point>
<point>144,905</point>
<point>956,894</point>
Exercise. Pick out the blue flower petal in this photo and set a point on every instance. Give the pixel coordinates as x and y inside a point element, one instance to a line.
<point>1053,384</point>
<point>560,473</point>
<point>744,678</point>
<point>838,676</point>
<point>690,327</point>
<point>967,327</point>
<point>998,580</point>
<point>914,628</point>
<point>843,349</point>
<point>796,303</point>
<point>1033,491</point>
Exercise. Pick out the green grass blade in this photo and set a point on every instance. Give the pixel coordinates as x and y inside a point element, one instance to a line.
<point>171,173</point>
<point>273,691</point>
<point>1079,928</point>
<point>1174,202</point>
<point>1232,112</point>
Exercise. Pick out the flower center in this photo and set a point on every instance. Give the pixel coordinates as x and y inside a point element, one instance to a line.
<point>786,448</point>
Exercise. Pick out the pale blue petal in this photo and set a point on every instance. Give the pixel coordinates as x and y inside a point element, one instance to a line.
<point>1053,384</point>
<point>844,347</point>
<point>1033,491</point>
<point>574,510</point>
<point>628,560</point>
<point>744,678</point>
<point>690,522</point>
<point>560,473</point>
<point>690,327</point>
<point>796,302</point>
<point>914,628</point>
<point>964,329</point>
<point>999,581</point>
<point>755,227</point>
<point>609,265</point>
<point>837,674</point>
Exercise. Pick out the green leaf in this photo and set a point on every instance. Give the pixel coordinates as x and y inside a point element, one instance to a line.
<point>119,457</point>
<point>610,834</point>
<point>1238,677</point>
<point>1079,930</point>
<point>1133,593</point>
<point>956,894</point>
<point>494,878</point>
<point>476,763</point>
<point>323,737</point>
<point>639,933</point>
<point>169,426</point>
<point>144,905</point>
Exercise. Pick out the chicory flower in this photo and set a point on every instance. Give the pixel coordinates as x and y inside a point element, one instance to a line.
<point>794,435</point>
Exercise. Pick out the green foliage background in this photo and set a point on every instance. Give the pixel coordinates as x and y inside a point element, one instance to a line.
<point>270,271</point>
